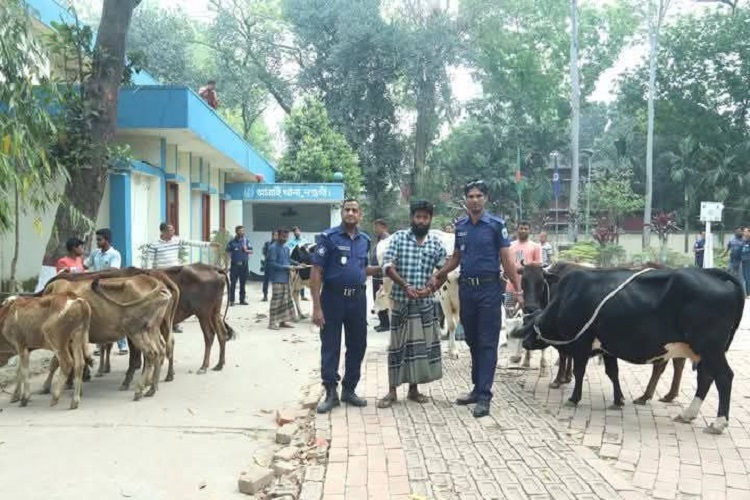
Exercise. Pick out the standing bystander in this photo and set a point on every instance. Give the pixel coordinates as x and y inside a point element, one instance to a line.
<point>264,264</point>
<point>73,262</point>
<point>380,230</point>
<point>238,253</point>
<point>278,265</point>
<point>699,249</point>
<point>106,257</point>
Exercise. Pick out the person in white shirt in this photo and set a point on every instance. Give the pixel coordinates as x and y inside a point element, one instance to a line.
<point>165,252</point>
<point>547,251</point>
<point>106,257</point>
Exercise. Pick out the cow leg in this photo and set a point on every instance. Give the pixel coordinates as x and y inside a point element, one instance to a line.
<point>208,340</point>
<point>568,369</point>
<point>170,357</point>
<point>134,363</point>
<point>613,372</point>
<point>160,349</point>
<point>526,360</point>
<point>723,376</point>
<point>579,366</point>
<point>516,356</point>
<point>100,370</point>
<point>656,371</point>
<point>66,371</point>
<point>19,381</point>
<point>678,364</point>
<point>142,341</point>
<point>79,362</point>
<point>705,379</point>
<point>221,335</point>
<point>24,357</point>
<point>542,363</point>
<point>108,366</point>
<point>54,364</point>
<point>561,365</point>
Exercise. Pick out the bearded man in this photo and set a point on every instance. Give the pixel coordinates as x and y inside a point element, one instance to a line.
<point>414,350</point>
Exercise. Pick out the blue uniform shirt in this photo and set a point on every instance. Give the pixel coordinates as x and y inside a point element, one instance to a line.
<point>480,244</point>
<point>735,249</point>
<point>235,248</point>
<point>343,259</point>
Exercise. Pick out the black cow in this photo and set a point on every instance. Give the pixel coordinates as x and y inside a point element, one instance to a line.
<point>537,291</point>
<point>644,317</point>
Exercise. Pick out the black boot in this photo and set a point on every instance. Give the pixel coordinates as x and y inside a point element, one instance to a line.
<point>330,401</point>
<point>350,397</point>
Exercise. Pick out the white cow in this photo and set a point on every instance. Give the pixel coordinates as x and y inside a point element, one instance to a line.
<point>448,294</point>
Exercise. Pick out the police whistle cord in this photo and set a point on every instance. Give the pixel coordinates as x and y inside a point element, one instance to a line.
<point>593,316</point>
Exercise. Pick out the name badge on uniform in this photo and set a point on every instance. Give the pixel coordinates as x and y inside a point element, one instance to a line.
<point>344,252</point>
<point>343,260</point>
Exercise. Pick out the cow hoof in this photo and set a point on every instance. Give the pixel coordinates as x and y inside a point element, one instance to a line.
<point>616,406</point>
<point>571,404</point>
<point>668,398</point>
<point>640,401</point>
<point>514,359</point>
<point>99,374</point>
<point>74,405</point>
<point>717,427</point>
<point>568,380</point>
<point>303,316</point>
<point>453,354</point>
<point>543,371</point>
<point>54,401</point>
<point>24,401</point>
<point>201,371</point>
<point>169,377</point>
<point>137,396</point>
<point>15,399</point>
<point>526,365</point>
<point>683,420</point>
<point>124,386</point>
<point>218,368</point>
<point>150,392</point>
<point>555,385</point>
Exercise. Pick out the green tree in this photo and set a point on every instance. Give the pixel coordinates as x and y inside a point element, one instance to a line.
<point>315,150</point>
<point>29,176</point>
<point>349,58</point>
<point>612,193</point>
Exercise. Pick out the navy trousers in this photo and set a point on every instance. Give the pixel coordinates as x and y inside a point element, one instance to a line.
<point>351,313</point>
<point>481,317</point>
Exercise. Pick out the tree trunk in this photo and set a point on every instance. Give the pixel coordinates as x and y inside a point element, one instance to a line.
<point>423,132</point>
<point>653,30</point>
<point>85,189</point>
<point>575,104</point>
<point>12,285</point>
<point>687,215</point>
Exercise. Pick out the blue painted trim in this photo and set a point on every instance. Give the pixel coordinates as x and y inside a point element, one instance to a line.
<point>225,197</point>
<point>145,168</point>
<point>163,159</point>
<point>212,190</point>
<point>121,214</point>
<point>199,186</point>
<point>174,178</point>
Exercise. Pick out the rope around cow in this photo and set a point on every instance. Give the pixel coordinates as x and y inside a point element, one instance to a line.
<point>593,316</point>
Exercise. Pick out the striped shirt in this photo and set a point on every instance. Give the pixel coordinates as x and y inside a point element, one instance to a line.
<point>165,253</point>
<point>415,263</point>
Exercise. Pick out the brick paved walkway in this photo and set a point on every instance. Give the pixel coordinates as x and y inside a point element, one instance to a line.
<point>532,446</point>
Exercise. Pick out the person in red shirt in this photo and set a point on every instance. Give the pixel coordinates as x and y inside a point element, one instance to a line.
<point>73,262</point>
<point>208,93</point>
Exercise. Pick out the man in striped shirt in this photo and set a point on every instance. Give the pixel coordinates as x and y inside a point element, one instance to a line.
<point>165,252</point>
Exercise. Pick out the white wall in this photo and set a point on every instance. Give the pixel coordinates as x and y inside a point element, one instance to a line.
<point>146,149</point>
<point>146,212</point>
<point>36,228</point>
<point>185,229</point>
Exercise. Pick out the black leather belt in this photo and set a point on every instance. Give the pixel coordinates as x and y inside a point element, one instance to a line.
<point>479,280</point>
<point>345,290</point>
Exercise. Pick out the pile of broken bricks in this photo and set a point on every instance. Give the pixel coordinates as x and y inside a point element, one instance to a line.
<point>300,457</point>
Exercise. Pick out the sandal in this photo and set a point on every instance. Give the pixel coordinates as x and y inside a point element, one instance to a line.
<point>417,398</point>
<point>387,401</point>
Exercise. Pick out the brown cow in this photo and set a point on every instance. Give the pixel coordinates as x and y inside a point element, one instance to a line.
<point>134,306</point>
<point>57,322</point>
<point>165,327</point>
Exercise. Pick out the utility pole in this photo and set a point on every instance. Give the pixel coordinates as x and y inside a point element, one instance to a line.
<point>575,105</point>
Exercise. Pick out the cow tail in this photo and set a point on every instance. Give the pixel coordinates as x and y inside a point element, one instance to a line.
<point>230,331</point>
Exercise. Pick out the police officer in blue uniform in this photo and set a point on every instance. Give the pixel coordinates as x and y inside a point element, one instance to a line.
<point>481,245</point>
<point>340,267</point>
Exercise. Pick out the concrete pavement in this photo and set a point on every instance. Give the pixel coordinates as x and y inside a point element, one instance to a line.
<point>188,442</point>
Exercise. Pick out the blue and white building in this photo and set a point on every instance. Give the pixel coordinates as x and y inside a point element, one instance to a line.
<point>189,168</point>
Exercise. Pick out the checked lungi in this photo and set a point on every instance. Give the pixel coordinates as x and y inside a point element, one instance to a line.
<point>414,354</point>
<point>282,307</point>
